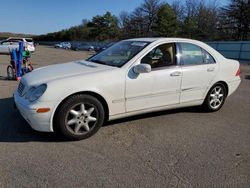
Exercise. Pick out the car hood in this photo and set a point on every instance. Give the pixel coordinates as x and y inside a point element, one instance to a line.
<point>59,71</point>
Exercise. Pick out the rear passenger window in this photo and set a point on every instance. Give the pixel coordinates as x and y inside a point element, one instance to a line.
<point>208,59</point>
<point>194,55</point>
<point>190,54</point>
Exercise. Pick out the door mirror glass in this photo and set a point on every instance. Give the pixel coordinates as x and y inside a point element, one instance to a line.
<point>142,68</point>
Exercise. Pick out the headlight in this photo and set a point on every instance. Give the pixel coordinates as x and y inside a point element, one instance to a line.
<point>35,92</point>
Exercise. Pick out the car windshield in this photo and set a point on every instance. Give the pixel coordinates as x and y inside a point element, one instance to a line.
<point>119,54</point>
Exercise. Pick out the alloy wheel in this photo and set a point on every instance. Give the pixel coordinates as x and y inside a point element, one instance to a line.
<point>216,97</point>
<point>81,118</point>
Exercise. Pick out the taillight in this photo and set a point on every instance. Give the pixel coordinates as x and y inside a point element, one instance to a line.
<point>238,72</point>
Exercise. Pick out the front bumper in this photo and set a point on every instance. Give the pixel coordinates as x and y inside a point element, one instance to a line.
<point>38,121</point>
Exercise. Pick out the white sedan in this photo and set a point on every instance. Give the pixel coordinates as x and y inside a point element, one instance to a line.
<point>10,44</point>
<point>131,77</point>
<point>7,46</point>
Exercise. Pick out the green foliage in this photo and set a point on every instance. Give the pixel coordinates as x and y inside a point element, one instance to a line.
<point>235,20</point>
<point>192,19</point>
<point>104,27</point>
<point>166,24</point>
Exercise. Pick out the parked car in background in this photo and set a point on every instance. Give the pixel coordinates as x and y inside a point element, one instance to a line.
<point>7,46</point>
<point>131,77</point>
<point>64,45</point>
<point>99,48</point>
<point>27,42</point>
<point>83,47</point>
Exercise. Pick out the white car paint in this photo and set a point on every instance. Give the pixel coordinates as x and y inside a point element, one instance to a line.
<point>27,42</point>
<point>125,92</point>
<point>11,43</point>
<point>6,47</point>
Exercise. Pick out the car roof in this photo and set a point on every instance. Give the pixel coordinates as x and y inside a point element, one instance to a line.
<point>18,38</point>
<point>196,42</point>
<point>7,40</point>
<point>160,39</point>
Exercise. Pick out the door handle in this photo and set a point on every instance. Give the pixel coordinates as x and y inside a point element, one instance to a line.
<point>210,69</point>
<point>177,73</point>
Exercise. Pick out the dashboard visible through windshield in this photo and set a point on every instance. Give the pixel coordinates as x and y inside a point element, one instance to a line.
<point>119,54</point>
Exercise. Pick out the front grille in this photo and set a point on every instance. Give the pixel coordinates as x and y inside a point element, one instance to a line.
<point>20,88</point>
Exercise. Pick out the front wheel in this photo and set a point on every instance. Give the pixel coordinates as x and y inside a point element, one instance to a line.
<point>215,98</point>
<point>80,117</point>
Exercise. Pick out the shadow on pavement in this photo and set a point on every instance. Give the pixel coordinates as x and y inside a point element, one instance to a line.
<point>196,109</point>
<point>13,128</point>
<point>3,78</point>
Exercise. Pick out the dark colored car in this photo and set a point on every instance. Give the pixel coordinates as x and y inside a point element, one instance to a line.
<point>83,47</point>
<point>100,48</point>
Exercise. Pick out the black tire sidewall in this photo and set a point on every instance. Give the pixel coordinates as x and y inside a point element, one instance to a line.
<point>60,120</point>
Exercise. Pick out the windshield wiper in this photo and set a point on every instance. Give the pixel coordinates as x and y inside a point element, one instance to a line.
<point>102,62</point>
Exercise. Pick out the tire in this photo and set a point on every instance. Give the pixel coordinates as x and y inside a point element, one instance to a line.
<point>31,68</point>
<point>10,73</point>
<point>80,117</point>
<point>215,98</point>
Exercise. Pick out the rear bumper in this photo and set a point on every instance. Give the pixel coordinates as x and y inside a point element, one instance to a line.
<point>38,121</point>
<point>233,85</point>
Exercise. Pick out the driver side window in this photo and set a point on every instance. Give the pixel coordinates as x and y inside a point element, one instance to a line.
<point>161,56</point>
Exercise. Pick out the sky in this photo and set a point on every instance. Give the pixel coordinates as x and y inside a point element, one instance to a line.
<point>44,16</point>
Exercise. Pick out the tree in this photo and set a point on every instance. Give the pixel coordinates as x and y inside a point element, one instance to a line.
<point>166,23</point>
<point>235,19</point>
<point>206,21</point>
<point>104,27</point>
<point>149,9</point>
<point>199,19</point>
<point>179,10</point>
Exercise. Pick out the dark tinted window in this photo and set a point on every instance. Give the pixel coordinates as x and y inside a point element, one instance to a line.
<point>29,40</point>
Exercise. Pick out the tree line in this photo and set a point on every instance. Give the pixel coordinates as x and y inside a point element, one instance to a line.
<point>197,19</point>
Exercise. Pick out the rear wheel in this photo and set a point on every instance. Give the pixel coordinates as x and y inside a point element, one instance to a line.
<point>80,117</point>
<point>10,73</point>
<point>215,98</point>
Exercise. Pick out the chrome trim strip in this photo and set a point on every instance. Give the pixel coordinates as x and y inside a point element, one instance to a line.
<point>192,88</point>
<point>118,100</point>
<point>153,95</point>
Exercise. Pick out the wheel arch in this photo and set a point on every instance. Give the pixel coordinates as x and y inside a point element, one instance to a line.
<point>218,82</point>
<point>91,93</point>
<point>224,84</point>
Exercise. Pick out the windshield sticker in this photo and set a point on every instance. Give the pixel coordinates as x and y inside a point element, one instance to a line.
<point>142,44</point>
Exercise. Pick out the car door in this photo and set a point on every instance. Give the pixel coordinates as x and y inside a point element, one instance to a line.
<point>198,70</point>
<point>158,88</point>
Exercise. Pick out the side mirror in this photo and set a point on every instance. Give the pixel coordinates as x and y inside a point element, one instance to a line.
<point>142,68</point>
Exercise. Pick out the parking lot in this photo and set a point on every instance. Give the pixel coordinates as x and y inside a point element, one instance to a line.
<point>175,148</point>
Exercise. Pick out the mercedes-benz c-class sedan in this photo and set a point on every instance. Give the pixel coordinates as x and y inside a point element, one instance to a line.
<point>131,77</point>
